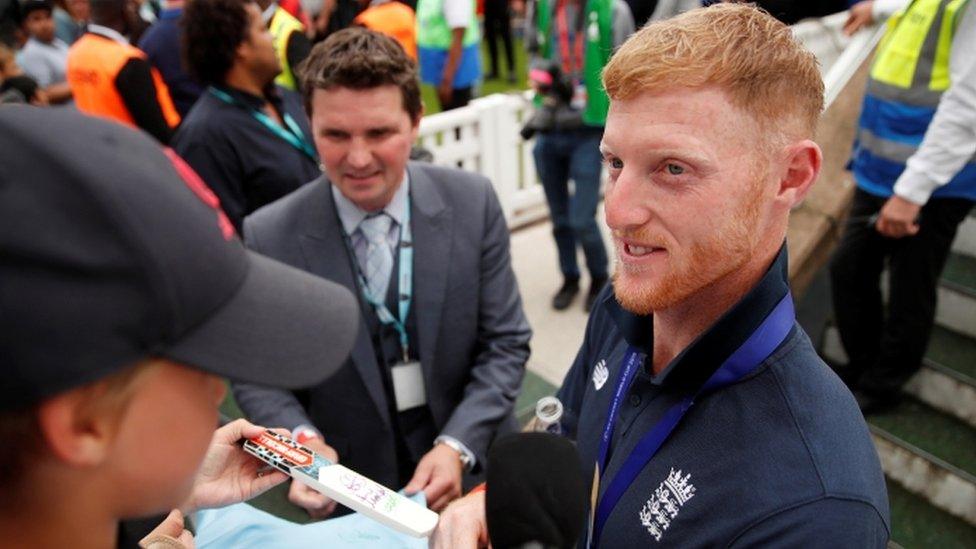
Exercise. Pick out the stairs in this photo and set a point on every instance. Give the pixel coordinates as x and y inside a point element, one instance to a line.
<point>927,445</point>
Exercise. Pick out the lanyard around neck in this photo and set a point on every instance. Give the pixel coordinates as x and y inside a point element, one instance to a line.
<point>405,288</point>
<point>572,61</point>
<point>293,135</point>
<point>764,340</point>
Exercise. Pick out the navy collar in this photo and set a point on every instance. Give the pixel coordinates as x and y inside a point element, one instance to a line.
<point>689,370</point>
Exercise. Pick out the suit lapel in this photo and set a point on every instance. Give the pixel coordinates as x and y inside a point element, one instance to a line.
<point>432,248</point>
<point>326,255</point>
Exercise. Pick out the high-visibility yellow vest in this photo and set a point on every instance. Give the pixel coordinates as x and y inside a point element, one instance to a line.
<point>909,74</point>
<point>281,26</point>
<point>913,56</point>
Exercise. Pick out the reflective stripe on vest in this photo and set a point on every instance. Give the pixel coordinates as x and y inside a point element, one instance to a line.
<point>281,26</point>
<point>599,47</point>
<point>94,62</point>
<point>393,19</point>
<point>432,29</point>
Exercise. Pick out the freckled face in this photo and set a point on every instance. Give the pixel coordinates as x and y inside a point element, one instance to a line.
<point>364,139</point>
<point>686,195</point>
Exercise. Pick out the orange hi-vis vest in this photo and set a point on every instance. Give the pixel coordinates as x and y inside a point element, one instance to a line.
<point>393,19</point>
<point>94,62</point>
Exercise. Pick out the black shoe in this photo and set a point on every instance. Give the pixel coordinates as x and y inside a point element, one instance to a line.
<point>493,75</point>
<point>595,288</point>
<point>564,297</point>
<point>871,403</point>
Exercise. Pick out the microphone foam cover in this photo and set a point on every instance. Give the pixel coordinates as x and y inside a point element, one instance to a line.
<point>535,491</point>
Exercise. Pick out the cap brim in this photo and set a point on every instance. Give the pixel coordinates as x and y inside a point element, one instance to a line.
<point>283,328</point>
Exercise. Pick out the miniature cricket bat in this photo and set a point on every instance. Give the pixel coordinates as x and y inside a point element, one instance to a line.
<point>342,484</point>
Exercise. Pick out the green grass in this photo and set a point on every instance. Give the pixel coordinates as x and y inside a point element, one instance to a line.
<point>429,94</point>
<point>938,434</point>
<point>953,350</point>
<point>915,523</point>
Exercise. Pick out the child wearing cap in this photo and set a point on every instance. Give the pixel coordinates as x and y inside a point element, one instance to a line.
<point>124,301</point>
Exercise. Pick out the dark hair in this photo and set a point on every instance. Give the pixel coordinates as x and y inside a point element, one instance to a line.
<point>25,86</point>
<point>212,31</point>
<point>359,59</point>
<point>31,6</point>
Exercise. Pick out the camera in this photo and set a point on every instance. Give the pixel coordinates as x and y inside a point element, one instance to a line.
<point>556,111</point>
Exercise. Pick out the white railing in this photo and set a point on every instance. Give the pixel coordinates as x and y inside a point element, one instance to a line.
<point>484,136</point>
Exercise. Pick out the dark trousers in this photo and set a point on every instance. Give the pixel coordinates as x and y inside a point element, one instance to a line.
<point>885,348</point>
<point>559,157</point>
<point>459,98</point>
<point>498,25</point>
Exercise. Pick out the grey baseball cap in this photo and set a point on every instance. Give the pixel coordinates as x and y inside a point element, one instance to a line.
<point>113,250</point>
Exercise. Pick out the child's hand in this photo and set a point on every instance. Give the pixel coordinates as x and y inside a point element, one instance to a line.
<point>228,474</point>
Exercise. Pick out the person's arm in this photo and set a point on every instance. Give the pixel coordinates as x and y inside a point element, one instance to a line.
<point>458,15</point>
<point>271,406</point>
<point>496,372</point>
<point>135,84</point>
<point>445,90</point>
<point>949,142</point>
<point>866,12</point>
<point>503,333</point>
<point>58,93</point>
<point>825,522</point>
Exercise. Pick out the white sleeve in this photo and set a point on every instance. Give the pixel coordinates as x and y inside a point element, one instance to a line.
<point>458,13</point>
<point>882,9</point>
<point>950,141</point>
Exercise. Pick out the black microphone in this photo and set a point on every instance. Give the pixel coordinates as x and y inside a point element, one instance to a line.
<point>536,495</point>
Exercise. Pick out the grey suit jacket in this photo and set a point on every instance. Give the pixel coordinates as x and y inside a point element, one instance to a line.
<point>473,334</point>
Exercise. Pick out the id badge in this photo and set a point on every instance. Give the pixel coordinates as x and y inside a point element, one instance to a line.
<point>579,97</point>
<point>408,385</point>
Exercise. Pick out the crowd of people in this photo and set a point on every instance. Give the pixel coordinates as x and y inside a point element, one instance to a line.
<point>228,193</point>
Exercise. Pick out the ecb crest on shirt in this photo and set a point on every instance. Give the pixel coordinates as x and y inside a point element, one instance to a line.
<point>600,374</point>
<point>668,499</point>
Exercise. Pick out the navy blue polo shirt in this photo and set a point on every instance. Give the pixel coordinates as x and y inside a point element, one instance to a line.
<point>245,164</point>
<point>782,457</point>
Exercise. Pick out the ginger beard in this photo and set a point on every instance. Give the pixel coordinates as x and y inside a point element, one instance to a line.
<point>704,263</point>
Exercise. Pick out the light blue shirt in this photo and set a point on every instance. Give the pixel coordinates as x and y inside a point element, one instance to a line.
<point>45,63</point>
<point>351,215</point>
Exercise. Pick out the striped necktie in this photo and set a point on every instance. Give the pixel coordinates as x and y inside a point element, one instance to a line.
<point>379,256</point>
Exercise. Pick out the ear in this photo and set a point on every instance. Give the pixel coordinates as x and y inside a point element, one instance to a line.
<point>802,161</point>
<point>75,436</point>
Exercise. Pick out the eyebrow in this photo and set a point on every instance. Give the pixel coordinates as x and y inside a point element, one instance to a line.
<point>692,155</point>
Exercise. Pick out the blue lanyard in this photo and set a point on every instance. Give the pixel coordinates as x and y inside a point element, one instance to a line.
<point>295,137</point>
<point>763,341</point>
<point>405,259</point>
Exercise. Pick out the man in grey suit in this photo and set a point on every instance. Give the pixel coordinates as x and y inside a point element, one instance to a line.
<point>441,353</point>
